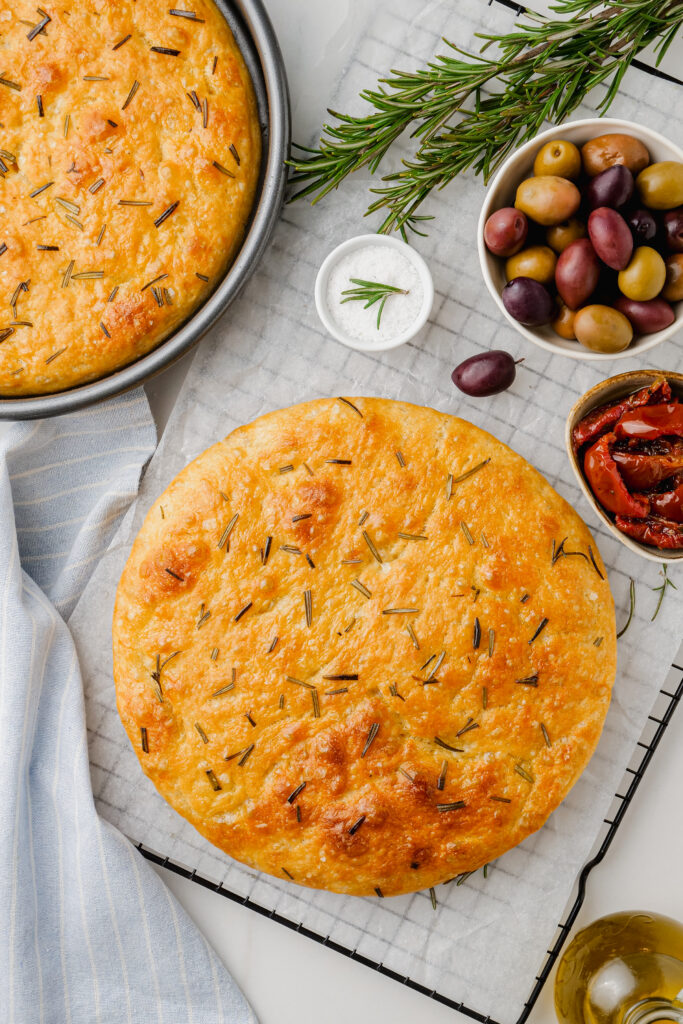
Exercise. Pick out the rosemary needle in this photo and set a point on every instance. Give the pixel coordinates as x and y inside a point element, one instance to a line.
<point>662,590</point>
<point>371,292</point>
<point>632,608</point>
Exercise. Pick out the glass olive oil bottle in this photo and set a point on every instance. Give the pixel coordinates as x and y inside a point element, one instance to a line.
<point>625,968</point>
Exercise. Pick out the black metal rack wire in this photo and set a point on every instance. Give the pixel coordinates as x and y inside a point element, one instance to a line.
<point>621,802</point>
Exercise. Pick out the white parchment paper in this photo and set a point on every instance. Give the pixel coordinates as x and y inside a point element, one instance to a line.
<point>487,939</point>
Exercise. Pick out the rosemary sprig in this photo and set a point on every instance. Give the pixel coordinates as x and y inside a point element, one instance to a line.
<point>662,590</point>
<point>541,71</point>
<point>371,292</point>
<point>632,607</point>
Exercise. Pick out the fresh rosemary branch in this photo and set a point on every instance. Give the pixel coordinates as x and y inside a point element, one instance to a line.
<point>662,590</point>
<point>539,72</point>
<point>371,292</point>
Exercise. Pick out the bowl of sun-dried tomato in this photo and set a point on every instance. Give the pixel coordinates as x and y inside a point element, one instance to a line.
<point>624,438</point>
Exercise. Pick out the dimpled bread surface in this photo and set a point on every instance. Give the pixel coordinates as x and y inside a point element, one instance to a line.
<point>363,645</point>
<point>127,177</point>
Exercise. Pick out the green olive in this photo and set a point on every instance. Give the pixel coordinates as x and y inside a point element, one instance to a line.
<point>645,275</point>
<point>548,199</point>
<point>537,262</point>
<point>673,289</point>
<point>562,235</point>
<point>661,185</point>
<point>558,157</point>
<point>563,324</point>
<point>602,329</point>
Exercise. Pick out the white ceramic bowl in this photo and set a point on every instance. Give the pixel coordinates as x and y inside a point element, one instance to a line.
<point>360,242</point>
<point>501,192</point>
<point>607,391</point>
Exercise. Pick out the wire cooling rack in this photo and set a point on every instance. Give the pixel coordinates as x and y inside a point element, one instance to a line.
<point>669,697</point>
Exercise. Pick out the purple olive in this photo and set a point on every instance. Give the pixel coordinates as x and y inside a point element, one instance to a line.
<point>643,226</point>
<point>528,302</point>
<point>646,317</point>
<point>577,273</point>
<point>505,231</point>
<point>673,229</point>
<point>612,187</point>
<point>485,374</point>
<point>611,237</point>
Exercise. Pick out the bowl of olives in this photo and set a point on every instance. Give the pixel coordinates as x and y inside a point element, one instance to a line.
<point>581,239</point>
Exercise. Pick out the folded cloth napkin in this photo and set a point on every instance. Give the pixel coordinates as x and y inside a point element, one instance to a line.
<point>89,932</point>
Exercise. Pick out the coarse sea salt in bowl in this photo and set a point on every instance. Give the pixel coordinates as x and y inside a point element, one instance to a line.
<point>384,260</point>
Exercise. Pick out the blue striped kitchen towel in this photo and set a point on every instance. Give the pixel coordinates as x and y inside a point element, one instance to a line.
<point>89,932</point>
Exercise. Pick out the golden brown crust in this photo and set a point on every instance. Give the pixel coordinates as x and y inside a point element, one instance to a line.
<point>376,753</point>
<point>95,154</point>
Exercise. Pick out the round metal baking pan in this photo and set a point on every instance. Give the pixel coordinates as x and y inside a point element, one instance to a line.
<point>256,39</point>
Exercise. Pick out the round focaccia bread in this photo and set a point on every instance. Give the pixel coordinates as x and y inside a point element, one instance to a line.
<point>129,157</point>
<point>363,645</point>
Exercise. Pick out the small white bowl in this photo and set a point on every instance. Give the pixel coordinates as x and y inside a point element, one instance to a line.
<point>360,242</point>
<point>501,192</point>
<point>607,391</point>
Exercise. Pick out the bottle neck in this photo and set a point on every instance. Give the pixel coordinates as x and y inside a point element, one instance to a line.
<point>655,1011</point>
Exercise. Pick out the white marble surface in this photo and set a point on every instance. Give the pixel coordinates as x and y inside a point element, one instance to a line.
<point>288,978</point>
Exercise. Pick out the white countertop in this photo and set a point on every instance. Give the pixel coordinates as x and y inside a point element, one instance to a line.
<point>288,978</point>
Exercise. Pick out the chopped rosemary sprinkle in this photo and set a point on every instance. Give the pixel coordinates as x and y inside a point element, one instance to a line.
<point>350,405</point>
<point>37,29</point>
<point>251,721</point>
<point>10,85</point>
<point>143,739</point>
<point>292,796</point>
<point>546,737</point>
<point>304,515</point>
<point>121,42</point>
<point>67,121</point>
<point>43,188</point>
<point>399,458</point>
<point>3,249</point>
<point>265,551</point>
<point>286,469</point>
<point>286,872</point>
<point>95,78</point>
<point>411,633</point>
<point>56,354</point>
<point>374,729</point>
<point>492,641</point>
<point>225,536</point>
<point>104,330</point>
<point>214,65</point>
<point>412,536</point>
<point>214,654</point>
<point>39,104</point>
<point>363,516</point>
<point>466,530</point>
<point>308,607</point>
<point>135,202</point>
<point>149,284</point>
<point>351,561</point>
<point>333,693</point>
<point>456,805</point>
<point>500,799</point>
<point>233,150</point>
<point>400,611</point>
<point>598,641</point>
<point>441,781</point>
<point>5,333</point>
<point>484,697</point>
<point>539,629</point>
<point>446,746</point>
<point>67,274</point>
<point>174,575</point>
<point>361,588</point>
<point>310,561</point>
<point>524,598</point>
<point>166,51</point>
<point>449,486</point>
<point>373,550</point>
<point>166,214</point>
<point>435,668</point>
<point>47,248</point>
<point>527,776</point>
<point>308,469</point>
<point>299,682</point>
<point>484,540</point>
<point>224,689</point>
<point>88,275</point>
<point>113,294</point>
<point>316,703</point>
<point>528,681</point>
<point>222,169</point>
<point>379,892</point>
<point>469,725</point>
<point>194,99</point>
<point>281,702</point>
<point>290,549</point>
<point>213,780</point>
<point>273,645</point>
<point>96,186</point>
<point>338,462</point>
<point>202,735</point>
<point>190,15</point>
<point>204,616</point>
<point>298,813</point>
<point>595,564</point>
<point>243,611</point>
<point>476,634</point>
<point>133,89</point>
<point>71,207</point>
<point>205,113</point>
<point>471,472</point>
<point>205,279</point>
<point>345,677</point>
<point>101,234</point>
<point>356,825</point>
